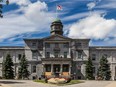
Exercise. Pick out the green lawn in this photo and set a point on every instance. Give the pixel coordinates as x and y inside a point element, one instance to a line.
<point>40,81</point>
<point>70,83</point>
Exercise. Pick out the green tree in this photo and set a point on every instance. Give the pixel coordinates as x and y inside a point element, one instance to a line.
<point>23,69</point>
<point>7,68</point>
<point>89,69</point>
<point>1,6</point>
<point>104,69</point>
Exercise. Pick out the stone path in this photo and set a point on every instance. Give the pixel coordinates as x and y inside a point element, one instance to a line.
<point>29,83</point>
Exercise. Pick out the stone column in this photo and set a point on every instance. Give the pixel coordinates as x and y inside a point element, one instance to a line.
<point>52,68</point>
<point>61,68</point>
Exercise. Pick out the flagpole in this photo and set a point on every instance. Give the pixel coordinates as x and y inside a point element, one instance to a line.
<point>56,11</point>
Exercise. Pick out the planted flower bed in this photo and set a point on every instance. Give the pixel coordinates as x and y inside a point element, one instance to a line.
<point>61,80</point>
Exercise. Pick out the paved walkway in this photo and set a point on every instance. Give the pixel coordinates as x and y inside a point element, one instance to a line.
<point>29,83</point>
<point>113,84</point>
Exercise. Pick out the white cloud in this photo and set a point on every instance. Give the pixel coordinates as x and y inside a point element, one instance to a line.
<point>35,17</point>
<point>108,5</point>
<point>91,5</point>
<point>20,2</point>
<point>94,26</point>
<point>81,15</point>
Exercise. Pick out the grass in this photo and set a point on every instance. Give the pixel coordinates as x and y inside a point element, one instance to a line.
<point>40,81</point>
<point>70,83</point>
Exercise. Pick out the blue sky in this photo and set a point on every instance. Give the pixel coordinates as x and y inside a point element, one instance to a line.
<point>93,19</point>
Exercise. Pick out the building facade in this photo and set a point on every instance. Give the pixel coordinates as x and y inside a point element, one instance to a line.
<point>58,53</point>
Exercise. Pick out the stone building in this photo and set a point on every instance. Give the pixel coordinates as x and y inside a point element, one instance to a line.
<point>58,53</point>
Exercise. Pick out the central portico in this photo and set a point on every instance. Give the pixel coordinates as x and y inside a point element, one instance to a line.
<point>57,67</point>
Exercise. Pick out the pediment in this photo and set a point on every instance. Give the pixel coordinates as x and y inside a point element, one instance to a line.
<point>57,37</point>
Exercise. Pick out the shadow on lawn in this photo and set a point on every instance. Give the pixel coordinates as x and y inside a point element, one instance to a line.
<point>10,82</point>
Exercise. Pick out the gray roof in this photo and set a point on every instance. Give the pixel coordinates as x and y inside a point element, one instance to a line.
<point>11,47</point>
<point>103,47</point>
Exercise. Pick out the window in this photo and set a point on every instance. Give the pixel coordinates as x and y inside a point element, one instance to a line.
<point>48,54</point>
<point>34,69</point>
<point>40,44</point>
<point>48,68</point>
<point>80,54</point>
<point>34,54</point>
<point>65,68</point>
<point>33,44</point>
<point>66,45</point>
<point>56,27</point>
<point>65,54</point>
<point>0,55</point>
<point>19,56</point>
<point>56,45</point>
<point>93,56</point>
<point>56,54</point>
<point>47,45</point>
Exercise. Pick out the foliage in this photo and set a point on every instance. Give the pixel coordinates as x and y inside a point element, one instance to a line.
<point>23,69</point>
<point>104,69</point>
<point>1,6</point>
<point>8,72</point>
<point>89,69</point>
<point>41,81</point>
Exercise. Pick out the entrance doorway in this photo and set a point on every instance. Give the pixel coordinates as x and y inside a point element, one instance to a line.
<point>56,69</point>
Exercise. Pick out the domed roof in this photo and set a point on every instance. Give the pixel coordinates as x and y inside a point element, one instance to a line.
<point>57,20</point>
